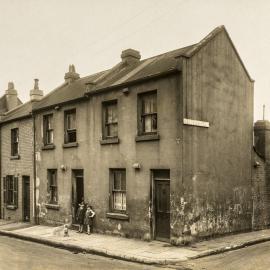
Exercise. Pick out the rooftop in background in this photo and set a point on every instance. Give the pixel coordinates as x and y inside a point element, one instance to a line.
<point>3,104</point>
<point>22,111</point>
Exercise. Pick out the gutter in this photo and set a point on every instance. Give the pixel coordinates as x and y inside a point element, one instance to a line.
<point>16,119</point>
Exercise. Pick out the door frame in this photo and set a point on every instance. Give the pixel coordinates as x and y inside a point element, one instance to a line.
<point>25,179</point>
<point>76,173</point>
<point>152,206</point>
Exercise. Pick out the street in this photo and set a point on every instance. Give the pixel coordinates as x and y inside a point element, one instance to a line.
<point>22,255</point>
<point>250,258</point>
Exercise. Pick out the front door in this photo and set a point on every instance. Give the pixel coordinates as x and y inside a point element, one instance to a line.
<point>26,198</point>
<point>77,191</point>
<point>162,205</point>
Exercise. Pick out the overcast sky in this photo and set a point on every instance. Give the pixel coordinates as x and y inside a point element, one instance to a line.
<point>39,39</point>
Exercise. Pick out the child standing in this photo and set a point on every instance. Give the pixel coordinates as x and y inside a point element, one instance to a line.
<point>88,219</point>
<point>80,217</point>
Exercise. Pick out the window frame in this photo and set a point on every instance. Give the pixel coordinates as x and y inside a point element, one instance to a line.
<point>14,142</point>
<point>107,124</point>
<point>143,115</point>
<point>68,131</point>
<point>113,191</point>
<point>48,129</point>
<point>10,188</point>
<point>52,188</point>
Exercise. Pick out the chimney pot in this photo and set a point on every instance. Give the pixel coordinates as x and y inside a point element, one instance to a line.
<point>10,86</point>
<point>36,94</point>
<point>36,84</point>
<point>71,75</point>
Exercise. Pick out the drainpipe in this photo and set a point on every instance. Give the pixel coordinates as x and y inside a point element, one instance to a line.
<point>34,168</point>
<point>1,174</point>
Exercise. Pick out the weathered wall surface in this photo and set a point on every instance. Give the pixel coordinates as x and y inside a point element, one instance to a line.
<point>18,167</point>
<point>97,159</point>
<point>214,196</point>
<point>72,158</point>
<point>261,194</point>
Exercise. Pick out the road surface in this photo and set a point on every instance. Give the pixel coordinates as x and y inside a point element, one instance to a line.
<point>22,255</point>
<point>255,257</point>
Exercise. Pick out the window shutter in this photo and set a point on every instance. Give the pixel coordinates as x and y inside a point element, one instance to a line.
<point>5,189</point>
<point>15,191</point>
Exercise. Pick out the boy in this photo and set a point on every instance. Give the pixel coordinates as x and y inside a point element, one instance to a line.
<point>80,217</point>
<point>88,219</point>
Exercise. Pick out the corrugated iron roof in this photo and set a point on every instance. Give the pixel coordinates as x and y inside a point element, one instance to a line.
<point>119,74</point>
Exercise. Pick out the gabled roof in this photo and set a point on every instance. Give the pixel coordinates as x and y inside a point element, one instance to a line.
<point>123,74</point>
<point>21,111</point>
<point>209,37</point>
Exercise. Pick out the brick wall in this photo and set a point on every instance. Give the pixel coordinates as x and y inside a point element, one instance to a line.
<point>260,194</point>
<point>17,167</point>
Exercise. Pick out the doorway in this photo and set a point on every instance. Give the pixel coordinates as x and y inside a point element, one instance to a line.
<point>77,192</point>
<point>161,203</point>
<point>26,198</point>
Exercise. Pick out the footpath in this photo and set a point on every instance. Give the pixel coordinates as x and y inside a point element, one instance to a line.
<point>153,252</point>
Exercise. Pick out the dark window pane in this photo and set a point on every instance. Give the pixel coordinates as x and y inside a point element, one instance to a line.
<point>117,181</point>
<point>14,141</point>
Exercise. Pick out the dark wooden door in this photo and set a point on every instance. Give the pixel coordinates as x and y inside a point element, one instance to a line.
<point>162,209</point>
<point>26,198</point>
<point>77,192</point>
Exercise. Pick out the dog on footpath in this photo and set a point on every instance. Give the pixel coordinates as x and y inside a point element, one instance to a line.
<point>62,230</point>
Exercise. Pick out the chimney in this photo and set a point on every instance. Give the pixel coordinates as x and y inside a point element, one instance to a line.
<point>130,56</point>
<point>71,75</point>
<point>36,94</point>
<point>11,96</point>
<point>262,138</point>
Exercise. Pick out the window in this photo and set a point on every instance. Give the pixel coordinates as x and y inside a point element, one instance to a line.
<point>70,126</point>
<point>11,190</point>
<point>148,113</point>
<point>14,142</point>
<point>48,129</point>
<point>118,190</point>
<point>110,124</point>
<point>52,186</point>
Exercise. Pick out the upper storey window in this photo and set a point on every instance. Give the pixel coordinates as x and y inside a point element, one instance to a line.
<point>70,126</point>
<point>110,121</point>
<point>147,113</point>
<point>48,129</point>
<point>14,142</point>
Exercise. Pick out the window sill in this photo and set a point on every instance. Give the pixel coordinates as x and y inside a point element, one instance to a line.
<point>11,207</point>
<point>52,206</point>
<point>48,147</point>
<point>117,216</point>
<point>110,141</point>
<point>147,137</point>
<point>15,157</point>
<point>70,145</point>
